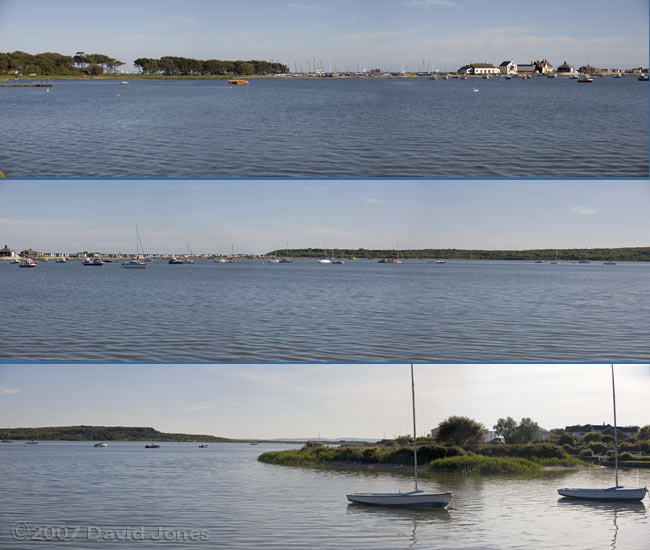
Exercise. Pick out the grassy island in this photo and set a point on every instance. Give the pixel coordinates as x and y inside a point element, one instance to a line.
<point>102,433</point>
<point>484,459</point>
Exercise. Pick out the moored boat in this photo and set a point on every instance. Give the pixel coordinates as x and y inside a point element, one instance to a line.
<point>585,78</point>
<point>618,492</point>
<point>102,444</point>
<point>415,498</point>
<point>27,263</point>
<point>152,446</point>
<point>96,262</point>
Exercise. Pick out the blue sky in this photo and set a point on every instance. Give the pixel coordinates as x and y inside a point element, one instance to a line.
<point>259,216</point>
<point>269,401</point>
<point>391,34</point>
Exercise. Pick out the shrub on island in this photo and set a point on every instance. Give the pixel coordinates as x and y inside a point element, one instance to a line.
<point>484,465</point>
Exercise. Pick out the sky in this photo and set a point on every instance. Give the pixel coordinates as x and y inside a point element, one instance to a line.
<point>337,34</point>
<point>261,216</point>
<point>308,401</point>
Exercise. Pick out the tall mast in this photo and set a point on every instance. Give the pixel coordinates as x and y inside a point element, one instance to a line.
<point>615,428</point>
<point>415,446</point>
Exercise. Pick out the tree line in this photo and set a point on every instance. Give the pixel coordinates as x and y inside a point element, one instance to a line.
<point>50,63</point>
<point>184,66</point>
<point>101,433</point>
<point>638,254</point>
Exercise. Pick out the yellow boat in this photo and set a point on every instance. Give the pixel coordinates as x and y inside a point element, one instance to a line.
<point>238,82</point>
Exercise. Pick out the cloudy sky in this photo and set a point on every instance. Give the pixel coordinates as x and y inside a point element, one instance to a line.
<point>269,401</point>
<point>337,34</point>
<point>259,216</point>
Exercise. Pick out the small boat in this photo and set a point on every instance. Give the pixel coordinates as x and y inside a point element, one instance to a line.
<point>45,260</point>
<point>31,442</point>
<point>137,262</point>
<point>539,261</point>
<point>223,261</point>
<point>618,75</point>
<point>273,260</point>
<point>203,446</point>
<point>618,492</point>
<point>61,261</point>
<point>508,77</point>
<point>585,78</point>
<point>27,263</point>
<point>97,262</point>
<point>102,444</point>
<point>340,262</point>
<point>237,82</point>
<point>475,90</point>
<point>439,261</point>
<point>412,498</point>
<point>125,83</point>
<point>609,262</point>
<point>14,262</point>
<point>253,443</point>
<point>152,446</point>
<point>643,77</point>
<point>174,261</point>
<point>285,261</point>
<point>324,261</point>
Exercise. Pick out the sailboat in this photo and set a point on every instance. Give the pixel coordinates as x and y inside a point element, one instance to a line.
<point>412,498</point>
<point>618,492</point>
<point>137,262</point>
<point>610,261</point>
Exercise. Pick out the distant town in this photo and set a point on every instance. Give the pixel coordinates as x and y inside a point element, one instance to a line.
<point>550,255</point>
<point>82,65</point>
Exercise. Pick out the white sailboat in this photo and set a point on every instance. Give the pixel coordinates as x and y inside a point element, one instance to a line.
<point>136,262</point>
<point>412,498</point>
<point>618,492</point>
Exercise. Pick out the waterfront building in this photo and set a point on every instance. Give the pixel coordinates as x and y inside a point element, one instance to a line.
<point>543,67</point>
<point>479,69</point>
<point>588,69</point>
<point>7,253</point>
<point>508,67</point>
<point>623,432</point>
<point>525,69</point>
<point>565,69</point>
<point>30,253</point>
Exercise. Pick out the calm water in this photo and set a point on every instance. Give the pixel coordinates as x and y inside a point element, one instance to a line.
<point>237,502</point>
<point>305,311</point>
<point>401,127</point>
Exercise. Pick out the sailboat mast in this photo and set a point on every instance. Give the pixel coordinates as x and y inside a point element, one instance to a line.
<point>615,428</point>
<point>415,446</point>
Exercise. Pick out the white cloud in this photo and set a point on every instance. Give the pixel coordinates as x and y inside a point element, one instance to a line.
<point>187,20</point>
<point>582,210</point>
<point>374,201</point>
<point>372,36</point>
<point>199,407</point>
<point>8,390</point>
<point>307,6</point>
<point>429,3</point>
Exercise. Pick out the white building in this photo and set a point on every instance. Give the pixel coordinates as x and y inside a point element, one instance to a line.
<point>479,69</point>
<point>508,67</point>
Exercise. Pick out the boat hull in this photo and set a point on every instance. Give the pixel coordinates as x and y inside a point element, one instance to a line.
<point>429,500</point>
<point>613,493</point>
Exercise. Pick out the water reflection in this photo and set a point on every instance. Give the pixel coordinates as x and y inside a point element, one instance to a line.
<point>608,510</point>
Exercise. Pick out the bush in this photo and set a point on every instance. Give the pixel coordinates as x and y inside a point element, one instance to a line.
<point>484,465</point>
<point>626,456</point>
<point>566,439</point>
<point>586,452</point>
<point>592,436</point>
<point>530,450</point>
<point>598,448</point>
<point>608,439</point>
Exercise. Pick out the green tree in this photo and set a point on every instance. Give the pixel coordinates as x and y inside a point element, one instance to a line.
<point>506,428</point>
<point>461,431</point>
<point>527,431</point>
<point>644,433</point>
<point>566,439</point>
<point>592,436</point>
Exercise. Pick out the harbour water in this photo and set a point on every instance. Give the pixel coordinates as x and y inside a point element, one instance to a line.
<point>253,311</point>
<point>72,495</point>
<point>291,127</point>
